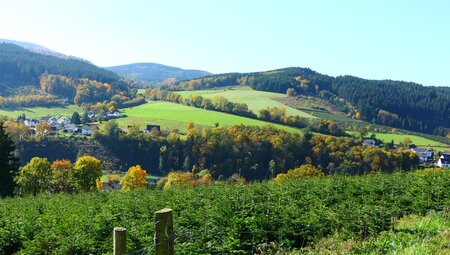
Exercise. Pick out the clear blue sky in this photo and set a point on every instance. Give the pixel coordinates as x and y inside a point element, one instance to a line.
<point>378,39</point>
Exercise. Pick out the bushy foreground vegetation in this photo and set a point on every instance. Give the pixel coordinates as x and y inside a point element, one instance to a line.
<point>225,218</point>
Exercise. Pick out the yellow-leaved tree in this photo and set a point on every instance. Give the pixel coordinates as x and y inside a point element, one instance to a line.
<point>299,173</point>
<point>35,177</point>
<point>86,172</point>
<point>179,179</point>
<point>135,178</point>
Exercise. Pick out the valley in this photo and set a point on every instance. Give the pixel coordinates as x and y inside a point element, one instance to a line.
<point>285,161</point>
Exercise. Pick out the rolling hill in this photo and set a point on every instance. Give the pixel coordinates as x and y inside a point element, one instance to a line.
<point>397,104</point>
<point>152,73</point>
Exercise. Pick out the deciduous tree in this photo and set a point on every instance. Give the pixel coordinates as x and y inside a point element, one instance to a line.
<point>35,177</point>
<point>86,171</point>
<point>302,172</point>
<point>135,178</point>
<point>62,171</point>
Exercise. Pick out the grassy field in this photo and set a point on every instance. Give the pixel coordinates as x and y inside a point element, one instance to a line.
<point>255,100</point>
<point>37,112</point>
<point>417,140</point>
<point>171,115</point>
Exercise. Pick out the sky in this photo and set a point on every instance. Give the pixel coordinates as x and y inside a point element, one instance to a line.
<point>374,39</point>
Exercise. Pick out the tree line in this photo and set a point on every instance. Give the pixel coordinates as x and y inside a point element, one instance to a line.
<point>250,151</point>
<point>254,153</point>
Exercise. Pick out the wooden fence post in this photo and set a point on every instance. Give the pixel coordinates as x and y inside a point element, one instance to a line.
<point>164,236</point>
<point>120,241</point>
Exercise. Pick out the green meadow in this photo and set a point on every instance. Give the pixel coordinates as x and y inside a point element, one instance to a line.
<point>256,100</point>
<point>171,115</point>
<point>37,112</point>
<point>417,140</point>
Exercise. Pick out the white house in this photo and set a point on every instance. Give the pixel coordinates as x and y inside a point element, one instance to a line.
<point>31,123</point>
<point>369,142</point>
<point>52,121</point>
<point>89,129</point>
<point>63,121</point>
<point>425,155</point>
<point>118,115</point>
<point>444,160</point>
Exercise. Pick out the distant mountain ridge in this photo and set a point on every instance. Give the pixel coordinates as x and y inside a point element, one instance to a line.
<point>153,73</point>
<point>40,49</point>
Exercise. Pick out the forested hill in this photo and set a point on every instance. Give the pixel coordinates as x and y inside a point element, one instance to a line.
<point>19,67</point>
<point>394,103</point>
<point>152,73</point>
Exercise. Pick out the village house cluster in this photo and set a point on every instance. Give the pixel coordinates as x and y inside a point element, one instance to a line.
<point>426,156</point>
<point>61,123</point>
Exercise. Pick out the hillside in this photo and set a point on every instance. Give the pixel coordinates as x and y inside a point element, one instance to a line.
<point>256,100</point>
<point>21,67</point>
<point>176,116</point>
<point>394,103</point>
<point>152,73</point>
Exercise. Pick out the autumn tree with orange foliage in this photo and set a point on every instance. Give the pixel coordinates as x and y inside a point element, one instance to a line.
<point>62,176</point>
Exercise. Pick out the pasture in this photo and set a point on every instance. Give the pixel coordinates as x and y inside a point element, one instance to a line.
<point>37,112</point>
<point>417,140</point>
<point>171,115</point>
<point>256,100</point>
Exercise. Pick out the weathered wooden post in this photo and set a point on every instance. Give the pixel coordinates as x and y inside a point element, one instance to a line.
<point>164,236</point>
<point>120,241</point>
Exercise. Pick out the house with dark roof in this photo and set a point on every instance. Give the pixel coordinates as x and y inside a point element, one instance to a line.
<point>425,155</point>
<point>71,128</point>
<point>151,127</point>
<point>89,129</point>
<point>369,142</point>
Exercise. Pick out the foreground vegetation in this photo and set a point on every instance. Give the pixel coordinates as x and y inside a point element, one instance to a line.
<point>411,234</point>
<point>300,215</point>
